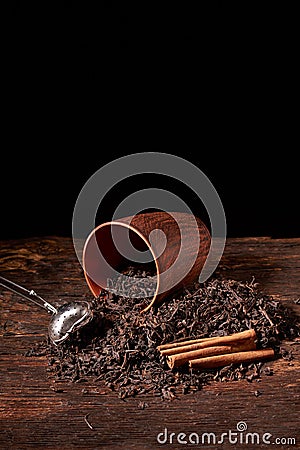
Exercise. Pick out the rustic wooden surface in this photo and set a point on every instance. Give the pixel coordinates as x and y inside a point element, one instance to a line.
<point>33,415</point>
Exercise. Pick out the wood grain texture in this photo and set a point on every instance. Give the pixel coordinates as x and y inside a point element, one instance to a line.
<point>33,415</point>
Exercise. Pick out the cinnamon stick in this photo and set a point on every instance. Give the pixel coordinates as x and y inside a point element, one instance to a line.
<point>230,358</point>
<point>191,345</point>
<point>183,343</point>
<point>180,359</point>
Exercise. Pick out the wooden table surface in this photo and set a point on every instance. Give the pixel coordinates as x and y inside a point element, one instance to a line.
<point>33,415</point>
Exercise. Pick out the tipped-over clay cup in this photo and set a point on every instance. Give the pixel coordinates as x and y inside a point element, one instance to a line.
<point>178,244</point>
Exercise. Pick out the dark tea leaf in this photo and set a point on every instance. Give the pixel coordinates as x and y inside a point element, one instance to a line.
<point>119,347</point>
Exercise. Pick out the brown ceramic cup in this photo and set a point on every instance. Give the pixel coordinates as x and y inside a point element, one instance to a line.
<point>178,244</point>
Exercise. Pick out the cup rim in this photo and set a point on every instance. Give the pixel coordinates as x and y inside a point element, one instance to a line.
<point>135,230</point>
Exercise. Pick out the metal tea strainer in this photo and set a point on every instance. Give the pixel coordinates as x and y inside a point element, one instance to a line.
<point>65,320</point>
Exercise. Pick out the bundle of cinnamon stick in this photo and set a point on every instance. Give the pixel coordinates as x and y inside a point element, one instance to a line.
<point>208,353</point>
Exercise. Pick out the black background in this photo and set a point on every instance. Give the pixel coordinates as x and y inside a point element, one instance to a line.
<point>213,84</point>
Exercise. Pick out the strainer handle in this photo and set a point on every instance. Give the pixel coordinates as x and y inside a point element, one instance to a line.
<point>30,295</point>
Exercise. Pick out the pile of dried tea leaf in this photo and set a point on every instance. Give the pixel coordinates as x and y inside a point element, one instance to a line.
<point>119,347</point>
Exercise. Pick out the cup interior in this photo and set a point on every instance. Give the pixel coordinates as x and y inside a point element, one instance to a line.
<point>109,249</point>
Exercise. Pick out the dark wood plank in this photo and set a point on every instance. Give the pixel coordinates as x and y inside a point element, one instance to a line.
<point>33,415</point>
